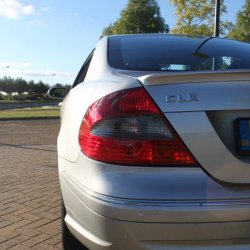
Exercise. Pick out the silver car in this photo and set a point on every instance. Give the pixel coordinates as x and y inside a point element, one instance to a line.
<point>154,145</point>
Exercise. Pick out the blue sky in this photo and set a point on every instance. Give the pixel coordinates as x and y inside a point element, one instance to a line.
<point>49,40</point>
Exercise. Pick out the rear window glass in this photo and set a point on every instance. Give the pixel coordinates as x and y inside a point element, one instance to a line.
<point>177,53</point>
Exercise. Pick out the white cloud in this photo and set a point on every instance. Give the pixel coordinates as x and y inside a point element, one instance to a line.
<point>12,9</point>
<point>48,73</point>
<point>17,64</point>
<point>50,77</point>
<point>32,71</point>
<point>44,9</point>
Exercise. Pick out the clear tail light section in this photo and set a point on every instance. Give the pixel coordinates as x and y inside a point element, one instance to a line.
<point>127,128</point>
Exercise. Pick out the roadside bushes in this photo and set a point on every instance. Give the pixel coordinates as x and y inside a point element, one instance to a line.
<point>20,89</point>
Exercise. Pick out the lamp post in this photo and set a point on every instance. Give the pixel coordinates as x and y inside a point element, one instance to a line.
<point>217,19</point>
<point>6,70</point>
<point>52,79</point>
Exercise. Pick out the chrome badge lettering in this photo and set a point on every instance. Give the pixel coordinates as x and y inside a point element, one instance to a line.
<point>192,97</point>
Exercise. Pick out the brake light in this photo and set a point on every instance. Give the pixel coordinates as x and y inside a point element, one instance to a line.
<point>127,128</point>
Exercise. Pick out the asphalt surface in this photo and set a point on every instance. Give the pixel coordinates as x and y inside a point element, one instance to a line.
<point>5,106</point>
<point>30,194</point>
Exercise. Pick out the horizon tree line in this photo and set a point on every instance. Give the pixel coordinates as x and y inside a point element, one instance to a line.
<point>194,17</point>
<point>25,89</point>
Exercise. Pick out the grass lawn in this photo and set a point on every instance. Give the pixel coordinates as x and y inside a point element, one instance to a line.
<point>30,113</point>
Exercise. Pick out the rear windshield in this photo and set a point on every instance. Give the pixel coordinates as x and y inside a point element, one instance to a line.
<point>177,53</point>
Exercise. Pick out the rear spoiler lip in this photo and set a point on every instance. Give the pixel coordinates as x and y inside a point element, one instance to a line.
<point>160,78</point>
<point>196,77</point>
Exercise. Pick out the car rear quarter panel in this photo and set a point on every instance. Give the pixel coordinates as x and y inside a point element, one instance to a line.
<point>75,106</point>
<point>100,80</point>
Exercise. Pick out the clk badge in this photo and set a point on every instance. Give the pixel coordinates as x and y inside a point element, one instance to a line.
<point>192,97</point>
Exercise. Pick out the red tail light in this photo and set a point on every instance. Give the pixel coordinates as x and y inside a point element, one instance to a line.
<point>127,128</point>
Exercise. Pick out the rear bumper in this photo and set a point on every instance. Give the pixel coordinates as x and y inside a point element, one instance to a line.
<point>138,236</point>
<point>102,222</point>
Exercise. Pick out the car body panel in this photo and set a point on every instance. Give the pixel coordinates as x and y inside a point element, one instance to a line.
<point>198,133</point>
<point>189,76</point>
<point>203,141</point>
<point>93,229</point>
<point>75,106</point>
<point>155,185</point>
<point>204,206</point>
<point>209,96</point>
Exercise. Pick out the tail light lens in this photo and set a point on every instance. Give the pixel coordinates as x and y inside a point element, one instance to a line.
<point>127,128</point>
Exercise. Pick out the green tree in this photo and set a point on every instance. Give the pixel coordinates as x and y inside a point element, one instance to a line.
<point>2,85</point>
<point>31,87</point>
<point>197,17</point>
<point>41,88</point>
<point>21,86</point>
<point>37,88</point>
<point>139,16</point>
<point>8,85</point>
<point>241,30</point>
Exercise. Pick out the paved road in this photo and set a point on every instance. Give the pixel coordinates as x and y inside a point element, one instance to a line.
<point>30,193</point>
<point>4,106</point>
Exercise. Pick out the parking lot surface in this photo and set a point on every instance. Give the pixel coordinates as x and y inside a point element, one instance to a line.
<point>30,194</point>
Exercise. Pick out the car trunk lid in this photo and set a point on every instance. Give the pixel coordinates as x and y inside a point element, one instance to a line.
<point>203,107</point>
